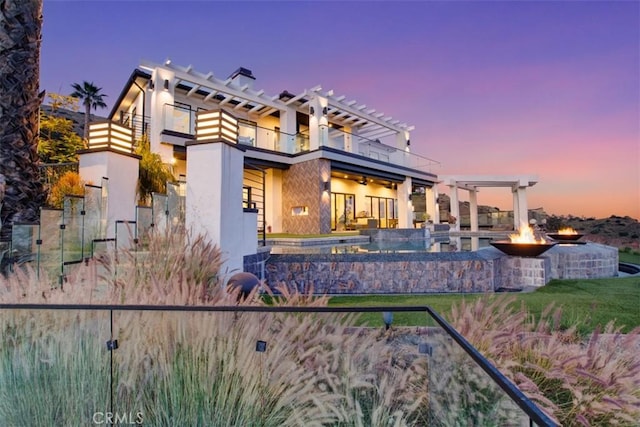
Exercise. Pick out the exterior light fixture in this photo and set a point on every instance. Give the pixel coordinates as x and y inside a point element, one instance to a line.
<point>325,111</point>
<point>166,84</point>
<point>151,85</point>
<point>326,186</point>
<point>110,136</point>
<point>312,111</point>
<point>387,318</point>
<point>216,125</point>
<point>408,142</point>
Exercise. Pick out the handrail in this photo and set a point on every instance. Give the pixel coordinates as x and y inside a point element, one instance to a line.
<point>529,408</point>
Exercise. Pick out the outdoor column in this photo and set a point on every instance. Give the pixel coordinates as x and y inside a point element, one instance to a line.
<point>516,210</point>
<point>318,122</point>
<point>454,207</point>
<point>214,198</point>
<point>431,197</point>
<point>523,211</point>
<point>162,110</point>
<point>110,155</point>
<point>214,190</point>
<point>473,209</point>
<point>405,207</point>
<point>288,131</point>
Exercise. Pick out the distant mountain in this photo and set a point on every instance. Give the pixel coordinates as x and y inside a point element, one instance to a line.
<point>615,231</point>
<point>76,117</point>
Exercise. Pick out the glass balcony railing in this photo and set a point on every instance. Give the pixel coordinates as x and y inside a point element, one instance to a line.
<point>245,366</point>
<point>377,150</point>
<point>179,118</point>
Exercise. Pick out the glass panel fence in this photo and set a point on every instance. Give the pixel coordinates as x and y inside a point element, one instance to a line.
<point>54,369</point>
<point>144,219</point>
<point>125,234</point>
<point>104,207</point>
<point>24,243</point>
<point>92,217</point>
<point>160,211</point>
<point>247,366</point>
<point>50,249</point>
<point>176,203</point>
<point>73,230</point>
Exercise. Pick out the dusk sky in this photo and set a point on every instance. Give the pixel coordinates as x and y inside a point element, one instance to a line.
<point>544,88</point>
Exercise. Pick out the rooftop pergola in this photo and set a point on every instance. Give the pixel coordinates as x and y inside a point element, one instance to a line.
<point>517,183</point>
<point>370,124</point>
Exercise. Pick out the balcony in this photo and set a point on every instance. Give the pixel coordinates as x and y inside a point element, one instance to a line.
<point>240,365</point>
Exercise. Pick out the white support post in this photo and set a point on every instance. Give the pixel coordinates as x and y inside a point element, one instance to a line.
<point>288,130</point>
<point>405,207</point>
<point>523,211</point>
<point>473,209</point>
<point>431,196</point>
<point>214,199</point>
<point>454,206</point>
<point>318,123</point>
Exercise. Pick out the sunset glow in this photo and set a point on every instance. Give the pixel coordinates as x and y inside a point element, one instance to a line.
<point>542,88</point>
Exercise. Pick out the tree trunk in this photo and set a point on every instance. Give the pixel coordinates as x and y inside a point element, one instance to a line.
<point>20,100</point>
<point>87,118</point>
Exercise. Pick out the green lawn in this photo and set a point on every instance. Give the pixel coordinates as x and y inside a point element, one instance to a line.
<point>632,257</point>
<point>587,302</point>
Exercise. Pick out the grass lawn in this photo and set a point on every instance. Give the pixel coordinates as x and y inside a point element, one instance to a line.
<point>587,302</point>
<point>632,257</point>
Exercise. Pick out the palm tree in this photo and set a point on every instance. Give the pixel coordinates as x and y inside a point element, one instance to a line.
<point>90,96</point>
<point>20,38</point>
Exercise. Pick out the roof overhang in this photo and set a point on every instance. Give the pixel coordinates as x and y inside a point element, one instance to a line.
<point>136,83</point>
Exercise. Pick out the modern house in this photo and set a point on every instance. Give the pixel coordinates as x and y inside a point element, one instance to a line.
<point>314,162</point>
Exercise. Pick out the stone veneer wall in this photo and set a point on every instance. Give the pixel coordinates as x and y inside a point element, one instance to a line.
<point>382,273</point>
<point>302,186</point>
<point>486,270</point>
<point>588,261</point>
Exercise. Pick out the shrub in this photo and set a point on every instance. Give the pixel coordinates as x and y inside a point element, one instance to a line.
<point>69,183</point>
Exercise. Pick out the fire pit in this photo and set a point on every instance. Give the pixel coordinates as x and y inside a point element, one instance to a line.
<point>522,249</point>
<point>565,235</point>
<point>523,244</point>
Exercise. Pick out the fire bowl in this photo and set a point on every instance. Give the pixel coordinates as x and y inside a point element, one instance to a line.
<point>522,249</point>
<point>565,237</point>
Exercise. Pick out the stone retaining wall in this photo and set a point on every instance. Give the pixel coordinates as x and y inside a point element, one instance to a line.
<point>486,270</point>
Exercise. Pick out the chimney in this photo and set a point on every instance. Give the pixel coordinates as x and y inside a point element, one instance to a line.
<point>242,76</point>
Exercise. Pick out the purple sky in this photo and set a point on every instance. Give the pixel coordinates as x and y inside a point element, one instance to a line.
<point>545,88</point>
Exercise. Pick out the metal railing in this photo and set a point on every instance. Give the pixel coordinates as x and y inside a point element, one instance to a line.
<point>176,365</point>
<point>139,124</point>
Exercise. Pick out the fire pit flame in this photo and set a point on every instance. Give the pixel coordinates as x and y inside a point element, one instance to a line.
<point>524,244</point>
<point>567,230</point>
<point>526,235</point>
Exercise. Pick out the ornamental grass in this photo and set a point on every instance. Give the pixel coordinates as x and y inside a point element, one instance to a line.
<point>580,383</point>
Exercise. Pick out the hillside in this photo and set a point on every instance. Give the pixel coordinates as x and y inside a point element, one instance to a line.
<point>615,231</point>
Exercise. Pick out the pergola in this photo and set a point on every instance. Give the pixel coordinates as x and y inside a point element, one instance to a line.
<point>370,124</point>
<point>471,183</point>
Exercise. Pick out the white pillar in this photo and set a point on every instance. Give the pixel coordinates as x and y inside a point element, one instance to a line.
<point>214,199</point>
<point>520,196</point>
<point>288,130</point>
<point>121,169</point>
<point>160,108</point>
<point>405,207</point>
<point>431,197</point>
<point>318,123</point>
<point>454,207</point>
<point>473,209</point>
